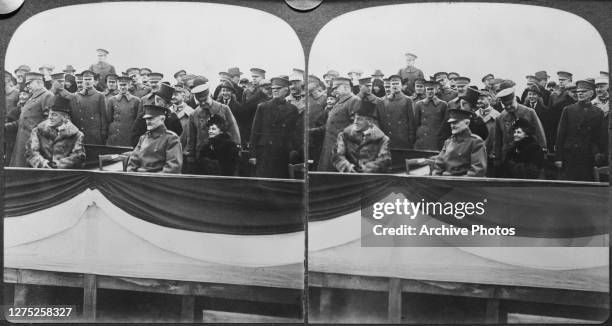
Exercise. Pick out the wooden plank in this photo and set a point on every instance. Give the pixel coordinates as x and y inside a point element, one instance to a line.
<point>492,313</point>
<point>325,304</point>
<point>344,281</point>
<point>449,288</point>
<point>89,297</point>
<point>188,309</point>
<point>556,296</point>
<point>37,277</point>
<point>394,312</point>
<point>210,316</point>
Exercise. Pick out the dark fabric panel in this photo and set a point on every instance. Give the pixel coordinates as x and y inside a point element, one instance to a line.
<point>535,208</point>
<point>202,204</point>
<point>30,190</point>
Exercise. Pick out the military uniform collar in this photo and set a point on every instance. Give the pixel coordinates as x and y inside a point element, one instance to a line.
<point>89,91</point>
<point>37,93</point>
<point>155,133</point>
<point>462,135</point>
<point>344,98</point>
<point>120,96</point>
<point>435,100</point>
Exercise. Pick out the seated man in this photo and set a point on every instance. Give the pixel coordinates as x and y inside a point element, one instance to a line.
<point>159,149</point>
<point>463,153</point>
<point>362,146</point>
<point>56,143</point>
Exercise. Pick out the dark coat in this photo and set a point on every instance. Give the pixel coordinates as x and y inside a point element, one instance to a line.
<point>198,130</point>
<point>544,115</point>
<point>121,113</point>
<point>462,154</point>
<point>89,114</point>
<point>103,69</point>
<point>157,151</point>
<point>11,115</point>
<point>219,156</point>
<point>556,103</point>
<point>246,113</point>
<point>523,160</point>
<point>338,119</point>
<point>504,134</point>
<point>581,135</point>
<point>409,75</point>
<point>272,137</point>
<point>33,112</point>
<point>396,120</point>
<point>139,127</point>
<point>63,146</point>
<point>367,151</point>
<point>429,117</point>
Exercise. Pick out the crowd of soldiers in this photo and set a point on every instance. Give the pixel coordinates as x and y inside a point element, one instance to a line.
<point>179,127</point>
<point>554,130</point>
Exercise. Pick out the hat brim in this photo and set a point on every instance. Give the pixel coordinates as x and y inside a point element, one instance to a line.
<point>200,88</point>
<point>505,92</point>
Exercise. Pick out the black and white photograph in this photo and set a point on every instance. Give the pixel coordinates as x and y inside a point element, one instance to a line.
<point>498,112</point>
<point>154,164</point>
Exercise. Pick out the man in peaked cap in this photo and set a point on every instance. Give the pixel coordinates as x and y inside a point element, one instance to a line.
<point>602,92</point>
<point>224,77</point>
<point>11,113</point>
<point>328,76</point>
<point>582,136</point>
<point>179,75</point>
<point>273,134</point>
<point>362,147</point>
<point>296,88</point>
<point>102,68</point>
<point>122,110</point>
<point>252,96</point>
<point>461,85</point>
<point>158,150</point>
<point>504,135</point>
<point>429,115</point>
<point>559,99</point>
<point>396,116</point>
<point>183,112</point>
<point>34,111</point>
<point>253,91</point>
<point>198,130</point>
<point>488,115</point>
<point>463,153</point>
<point>111,86</point>
<point>145,74</point>
<point>69,70</point>
<point>377,74</point>
<point>20,75</point>
<point>445,93</point>
<point>235,74</point>
<point>451,80</point>
<point>467,102</point>
<point>410,73</point>
<point>162,97</point>
<point>339,118</point>
<point>419,90</point>
<point>534,100</point>
<point>56,143</point>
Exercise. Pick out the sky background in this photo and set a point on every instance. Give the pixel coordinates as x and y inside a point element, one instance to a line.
<point>510,41</point>
<point>200,38</point>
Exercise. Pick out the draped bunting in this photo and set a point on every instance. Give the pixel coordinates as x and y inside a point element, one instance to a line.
<point>535,208</point>
<point>195,203</point>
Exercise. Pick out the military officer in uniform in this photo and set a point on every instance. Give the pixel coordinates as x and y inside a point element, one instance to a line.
<point>328,77</point>
<point>102,68</point>
<point>445,93</point>
<point>273,133</point>
<point>559,99</point>
<point>396,117</point>
<point>419,90</point>
<point>429,116</point>
<point>179,75</point>
<point>121,110</point>
<point>461,85</point>
<point>136,87</point>
<point>158,150</point>
<point>581,136</point>
<point>111,86</point>
<point>463,153</point>
<point>602,92</point>
<point>410,73</point>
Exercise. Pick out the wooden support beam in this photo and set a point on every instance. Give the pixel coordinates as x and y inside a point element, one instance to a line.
<point>325,304</point>
<point>89,297</point>
<point>492,315</point>
<point>394,312</point>
<point>21,293</point>
<point>188,309</point>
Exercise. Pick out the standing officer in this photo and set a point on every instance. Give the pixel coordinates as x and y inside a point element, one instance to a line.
<point>558,100</point>
<point>410,73</point>
<point>273,133</point>
<point>445,93</point>
<point>102,68</point>
<point>461,85</point>
<point>396,117</point>
<point>429,116</point>
<point>111,86</point>
<point>136,87</point>
<point>419,90</point>
<point>602,90</point>
<point>121,110</point>
<point>158,150</point>
<point>581,137</point>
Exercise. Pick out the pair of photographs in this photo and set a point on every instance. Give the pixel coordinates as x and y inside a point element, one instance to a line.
<point>204,162</point>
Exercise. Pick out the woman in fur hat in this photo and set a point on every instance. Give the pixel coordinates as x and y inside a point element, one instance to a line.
<point>525,157</point>
<point>220,155</point>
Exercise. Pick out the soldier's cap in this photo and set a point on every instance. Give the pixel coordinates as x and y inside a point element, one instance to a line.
<point>551,83</point>
<point>178,88</point>
<point>484,92</point>
<point>133,71</point>
<point>156,76</point>
<point>234,71</point>
<point>180,72</point>
<point>438,75</point>
<point>263,82</point>
<point>284,76</point>
<point>458,114</point>
<point>258,72</point>
<point>217,120</point>
<point>341,81</point>
<point>570,87</point>
<point>296,77</point>
<point>564,75</point>
<point>487,76</point>
<point>86,73</point>
<point>524,125</point>
<point>227,85</point>
<point>535,89</point>
<point>387,81</point>
<point>392,77</point>
<point>152,110</point>
<point>585,85</point>
<point>366,109</point>
<point>297,71</point>
<point>365,81</point>
<point>147,70</point>
<point>199,85</point>
<point>58,76</point>
<point>69,68</point>
<point>453,75</point>
<point>332,73</point>
<point>102,51</point>
<point>590,79</point>
<point>123,79</point>
<point>530,77</point>
<point>24,68</point>
<point>280,82</point>
<point>165,91</point>
<point>410,55</point>
<point>61,104</point>
<point>430,83</point>
<point>30,76</point>
<point>541,75</point>
<point>462,80</point>
<point>111,77</point>
<point>313,79</point>
<point>46,66</point>
<point>505,93</point>
<point>377,73</point>
<point>471,96</point>
<point>601,81</point>
<point>243,81</point>
<point>355,71</point>
<point>78,77</point>
<point>419,81</point>
<point>225,75</point>
<point>604,74</point>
